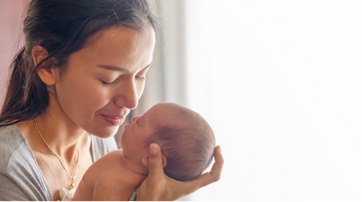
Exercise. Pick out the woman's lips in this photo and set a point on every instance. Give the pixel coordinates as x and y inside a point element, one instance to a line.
<point>116,121</point>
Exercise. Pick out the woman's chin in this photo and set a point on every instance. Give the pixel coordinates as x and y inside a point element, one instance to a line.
<point>106,132</point>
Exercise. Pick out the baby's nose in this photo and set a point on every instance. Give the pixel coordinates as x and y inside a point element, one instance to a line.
<point>133,119</point>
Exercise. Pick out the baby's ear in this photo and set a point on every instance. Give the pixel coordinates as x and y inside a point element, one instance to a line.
<point>164,160</point>
<point>145,161</point>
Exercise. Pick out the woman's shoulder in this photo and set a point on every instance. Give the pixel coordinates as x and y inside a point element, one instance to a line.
<point>14,149</point>
<point>10,133</point>
<point>102,146</point>
<point>19,169</point>
<point>11,140</point>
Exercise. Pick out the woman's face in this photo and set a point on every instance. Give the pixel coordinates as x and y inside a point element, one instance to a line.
<point>104,80</point>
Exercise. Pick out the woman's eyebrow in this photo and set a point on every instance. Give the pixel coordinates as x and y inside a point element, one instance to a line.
<point>119,68</point>
<point>113,68</point>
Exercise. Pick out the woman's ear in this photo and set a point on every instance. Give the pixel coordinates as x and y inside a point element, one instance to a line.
<point>47,73</point>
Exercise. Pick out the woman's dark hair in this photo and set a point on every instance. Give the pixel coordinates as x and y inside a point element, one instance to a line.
<point>62,27</point>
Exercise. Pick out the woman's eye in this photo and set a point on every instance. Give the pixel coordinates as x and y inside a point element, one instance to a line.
<point>140,78</point>
<point>111,83</point>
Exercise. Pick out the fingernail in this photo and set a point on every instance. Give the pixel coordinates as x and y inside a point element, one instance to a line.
<point>220,149</point>
<point>153,149</point>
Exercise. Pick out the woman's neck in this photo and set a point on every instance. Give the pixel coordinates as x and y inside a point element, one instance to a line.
<point>61,135</point>
<point>58,130</point>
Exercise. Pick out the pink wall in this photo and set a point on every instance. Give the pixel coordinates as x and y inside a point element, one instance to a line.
<point>11,15</point>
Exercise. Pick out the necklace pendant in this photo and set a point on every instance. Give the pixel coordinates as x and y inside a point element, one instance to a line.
<point>72,185</point>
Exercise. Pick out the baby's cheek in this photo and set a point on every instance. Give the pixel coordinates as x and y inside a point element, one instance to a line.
<point>131,147</point>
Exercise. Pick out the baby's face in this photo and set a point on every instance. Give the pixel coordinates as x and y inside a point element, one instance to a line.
<point>134,138</point>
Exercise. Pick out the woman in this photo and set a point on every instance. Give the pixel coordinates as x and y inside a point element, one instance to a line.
<point>81,71</point>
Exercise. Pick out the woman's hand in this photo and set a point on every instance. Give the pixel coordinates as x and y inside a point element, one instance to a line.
<point>159,187</point>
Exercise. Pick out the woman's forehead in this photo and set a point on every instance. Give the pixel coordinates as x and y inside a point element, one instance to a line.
<point>122,35</point>
<point>121,41</point>
<point>118,47</point>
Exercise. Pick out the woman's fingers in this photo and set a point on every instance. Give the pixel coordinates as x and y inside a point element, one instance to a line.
<point>158,186</point>
<point>151,188</point>
<point>155,163</point>
<point>217,167</point>
<point>210,177</point>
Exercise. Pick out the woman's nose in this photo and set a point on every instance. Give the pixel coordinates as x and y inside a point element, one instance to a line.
<point>127,96</point>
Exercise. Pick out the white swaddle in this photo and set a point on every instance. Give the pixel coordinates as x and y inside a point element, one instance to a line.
<point>65,194</point>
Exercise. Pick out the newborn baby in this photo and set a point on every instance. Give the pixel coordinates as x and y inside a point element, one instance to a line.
<point>186,140</point>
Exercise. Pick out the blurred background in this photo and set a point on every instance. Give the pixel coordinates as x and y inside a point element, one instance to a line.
<point>278,81</point>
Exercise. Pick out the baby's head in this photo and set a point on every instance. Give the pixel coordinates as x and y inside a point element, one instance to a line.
<point>185,138</point>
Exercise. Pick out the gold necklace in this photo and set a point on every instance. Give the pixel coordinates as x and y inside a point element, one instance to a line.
<point>72,185</point>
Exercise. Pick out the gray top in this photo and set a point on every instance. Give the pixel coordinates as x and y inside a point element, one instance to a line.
<point>20,176</point>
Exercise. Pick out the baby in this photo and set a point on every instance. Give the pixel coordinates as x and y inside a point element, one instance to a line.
<point>186,140</point>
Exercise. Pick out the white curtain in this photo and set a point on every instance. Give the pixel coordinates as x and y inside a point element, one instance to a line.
<point>280,84</point>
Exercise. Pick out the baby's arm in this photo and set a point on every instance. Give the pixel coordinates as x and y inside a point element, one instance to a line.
<point>107,180</point>
<point>86,186</point>
<point>83,192</point>
<point>107,188</point>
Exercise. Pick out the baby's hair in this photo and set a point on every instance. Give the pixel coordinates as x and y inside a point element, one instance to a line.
<point>188,142</point>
